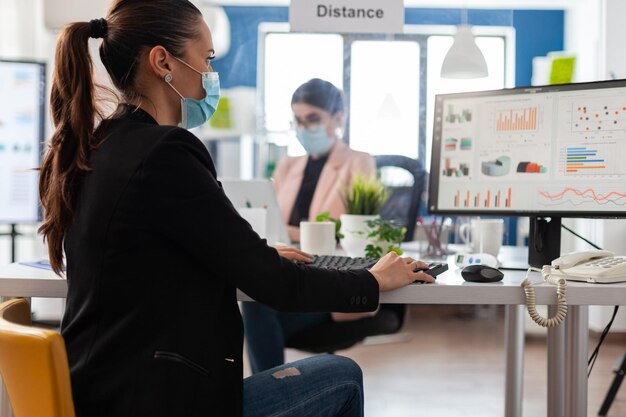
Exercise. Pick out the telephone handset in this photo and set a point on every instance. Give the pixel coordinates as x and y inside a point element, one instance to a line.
<point>597,266</point>
<point>575,258</point>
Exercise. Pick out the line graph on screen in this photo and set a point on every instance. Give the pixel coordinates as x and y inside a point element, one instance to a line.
<point>570,196</point>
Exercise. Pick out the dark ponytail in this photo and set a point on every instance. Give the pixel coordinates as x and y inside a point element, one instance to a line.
<point>129,31</point>
<point>74,113</point>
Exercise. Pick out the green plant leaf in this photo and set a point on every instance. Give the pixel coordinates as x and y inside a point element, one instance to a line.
<point>372,251</point>
<point>385,233</point>
<point>323,217</point>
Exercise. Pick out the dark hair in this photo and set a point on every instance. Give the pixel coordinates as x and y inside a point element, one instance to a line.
<point>130,30</point>
<point>320,93</point>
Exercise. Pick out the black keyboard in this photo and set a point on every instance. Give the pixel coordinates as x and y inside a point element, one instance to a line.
<point>342,262</point>
<point>346,263</point>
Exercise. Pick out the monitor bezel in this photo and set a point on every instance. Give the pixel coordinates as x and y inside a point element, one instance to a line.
<point>42,126</point>
<point>436,145</point>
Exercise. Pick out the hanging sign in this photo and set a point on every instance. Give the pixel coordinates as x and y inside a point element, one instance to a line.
<point>347,16</point>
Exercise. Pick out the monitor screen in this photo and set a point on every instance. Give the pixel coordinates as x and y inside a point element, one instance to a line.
<point>534,151</point>
<point>22,95</point>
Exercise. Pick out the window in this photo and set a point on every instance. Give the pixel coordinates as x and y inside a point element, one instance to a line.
<point>384,97</point>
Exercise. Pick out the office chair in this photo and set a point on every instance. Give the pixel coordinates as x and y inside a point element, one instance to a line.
<point>33,365</point>
<point>404,200</point>
<point>402,206</point>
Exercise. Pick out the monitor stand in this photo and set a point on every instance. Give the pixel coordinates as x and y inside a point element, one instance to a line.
<point>544,240</point>
<point>13,234</point>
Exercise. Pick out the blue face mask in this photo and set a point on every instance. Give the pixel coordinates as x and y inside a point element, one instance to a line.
<point>194,112</point>
<point>314,141</point>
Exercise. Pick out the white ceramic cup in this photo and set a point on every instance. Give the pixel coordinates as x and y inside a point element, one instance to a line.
<point>317,238</point>
<point>483,235</point>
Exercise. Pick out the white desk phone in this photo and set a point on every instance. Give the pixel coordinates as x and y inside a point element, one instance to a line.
<point>594,266</point>
<point>599,266</point>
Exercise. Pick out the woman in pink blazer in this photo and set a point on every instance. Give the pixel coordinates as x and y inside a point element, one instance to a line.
<point>340,165</point>
<point>306,186</point>
<point>309,185</point>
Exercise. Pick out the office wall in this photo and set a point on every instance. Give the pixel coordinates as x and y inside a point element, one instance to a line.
<point>538,32</point>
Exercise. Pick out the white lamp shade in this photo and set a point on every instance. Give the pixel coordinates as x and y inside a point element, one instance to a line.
<point>464,59</point>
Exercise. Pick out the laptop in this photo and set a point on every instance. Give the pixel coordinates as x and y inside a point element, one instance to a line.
<point>258,193</point>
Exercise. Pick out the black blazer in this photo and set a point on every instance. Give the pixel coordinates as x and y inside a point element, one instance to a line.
<point>155,254</point>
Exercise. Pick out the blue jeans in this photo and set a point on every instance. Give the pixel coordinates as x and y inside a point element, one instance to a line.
<point>321,386</point>
<point>267,331</point>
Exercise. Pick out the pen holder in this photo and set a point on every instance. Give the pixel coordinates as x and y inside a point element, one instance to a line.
<point>433,239</point>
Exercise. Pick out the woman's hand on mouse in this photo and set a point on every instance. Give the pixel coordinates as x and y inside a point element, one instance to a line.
<point>294,254</point>
<point>392,272</point>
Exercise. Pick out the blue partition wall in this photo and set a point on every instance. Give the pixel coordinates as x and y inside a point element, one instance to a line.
<point>537,33</point>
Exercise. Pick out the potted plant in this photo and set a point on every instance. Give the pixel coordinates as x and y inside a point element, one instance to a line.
<point>363,202</point>
<point>385,237</point>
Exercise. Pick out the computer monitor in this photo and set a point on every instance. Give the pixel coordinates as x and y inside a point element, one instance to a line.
<point>543,152</point>
<point>22,87</point>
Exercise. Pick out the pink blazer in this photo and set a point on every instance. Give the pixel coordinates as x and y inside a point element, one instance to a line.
<point>337,174</point>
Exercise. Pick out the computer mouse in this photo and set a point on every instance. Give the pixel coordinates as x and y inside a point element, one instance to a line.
<point>481,273</point>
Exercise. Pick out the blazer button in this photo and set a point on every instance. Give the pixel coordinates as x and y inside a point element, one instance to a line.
<point>358,300</point>
<point>352,300</point>
<point>364,299</point>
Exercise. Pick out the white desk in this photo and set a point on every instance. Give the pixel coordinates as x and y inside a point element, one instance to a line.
<point>567,347</point>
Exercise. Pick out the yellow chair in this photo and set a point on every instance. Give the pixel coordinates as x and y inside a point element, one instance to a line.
<point>33,365</point>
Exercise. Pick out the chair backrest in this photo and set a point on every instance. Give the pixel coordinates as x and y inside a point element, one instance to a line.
<point>33,365</point>
<point>404,200</point>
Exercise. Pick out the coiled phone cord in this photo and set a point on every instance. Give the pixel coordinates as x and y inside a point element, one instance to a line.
<point>561,299</point>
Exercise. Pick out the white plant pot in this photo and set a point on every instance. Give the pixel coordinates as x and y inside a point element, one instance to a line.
<point>355,231</point>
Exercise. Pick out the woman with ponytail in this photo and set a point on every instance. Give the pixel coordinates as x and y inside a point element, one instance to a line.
<point>154,249</point>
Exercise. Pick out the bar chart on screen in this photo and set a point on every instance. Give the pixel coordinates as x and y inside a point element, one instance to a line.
<point>515,124</point>
<point>599,159</point>
<point>516,120</point>
<point>500,198</point>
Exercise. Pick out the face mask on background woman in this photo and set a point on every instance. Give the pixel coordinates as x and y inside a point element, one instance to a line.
<point>315,141</point>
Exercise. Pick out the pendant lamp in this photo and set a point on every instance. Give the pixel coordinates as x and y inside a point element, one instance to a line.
<point>464,59</point>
